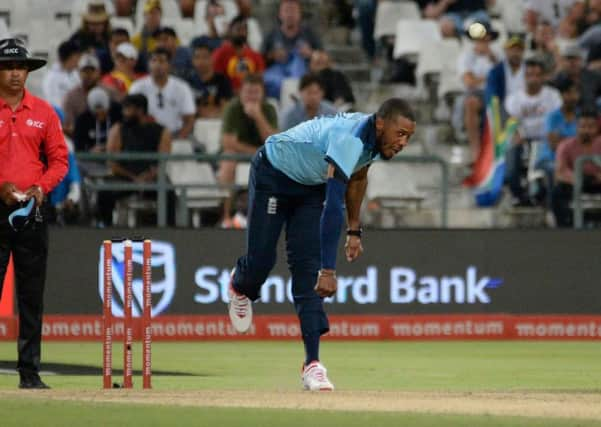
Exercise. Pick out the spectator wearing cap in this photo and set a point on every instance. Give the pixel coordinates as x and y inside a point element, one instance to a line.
<point>529,107</point>
<point>93,125</point>
<point>560,124</point>
<point>336,86</point>
<point>74,102</point>
<point>212,90</point>
<point>95,29</point>
<point>170,99</point>
<point>181,56</point>
<point>473,66</point>
<point>117,36</point>
<point>213,37</point>
<point>288,48</point>
<point>453,14</point>
<point>311,103</point>
<point>507,76</point>
<point>62,75</point>
<point>135,134</point>
<point>572,66</point>
<point>118,81</point>
<point>235,58</point>
<point>586,142</point>
<point>33,160</point>
<point>144,41</point>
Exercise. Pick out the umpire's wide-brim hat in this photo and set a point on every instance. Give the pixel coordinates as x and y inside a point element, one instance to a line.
<point>14,50</point>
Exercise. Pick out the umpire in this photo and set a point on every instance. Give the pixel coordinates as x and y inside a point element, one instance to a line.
<point>33,160</point>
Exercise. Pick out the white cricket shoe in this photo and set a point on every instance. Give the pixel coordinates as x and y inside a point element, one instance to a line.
<point>240,309</point>
<point>315,377</point>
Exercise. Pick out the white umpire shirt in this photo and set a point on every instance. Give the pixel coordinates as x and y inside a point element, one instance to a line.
<point>167,104</point>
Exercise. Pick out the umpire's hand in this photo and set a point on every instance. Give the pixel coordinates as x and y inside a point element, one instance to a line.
<point>36,192</point>
<point>327,284</point>
<point>7,193</point>
<point>353,248</point>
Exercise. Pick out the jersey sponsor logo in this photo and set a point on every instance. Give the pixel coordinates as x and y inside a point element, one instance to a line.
<point>272,206</point>
<point>34,123</point>
<point>163,268</point>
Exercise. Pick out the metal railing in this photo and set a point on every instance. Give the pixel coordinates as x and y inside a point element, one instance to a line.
<point>577,193</point>
<point>162,184</point>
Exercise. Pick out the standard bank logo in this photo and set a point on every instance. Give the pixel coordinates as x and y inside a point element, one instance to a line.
<point>163,277</point>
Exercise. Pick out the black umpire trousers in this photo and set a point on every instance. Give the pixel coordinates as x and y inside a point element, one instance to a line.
<point>29,248</point>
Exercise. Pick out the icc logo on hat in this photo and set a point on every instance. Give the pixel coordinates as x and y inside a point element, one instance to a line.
<point>163,277</point>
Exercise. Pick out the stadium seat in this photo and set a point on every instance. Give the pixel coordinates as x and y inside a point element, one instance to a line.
<point>208,133</point>
<point>389,13</point>
<point>255,35</point>
<point>450,81</point>
<point>42,36</point>
<point>4,33</point>
<point>186,29</point>
<point>242,171</point>
<point>392,187</point>
<point>438,56</point>
<point>512,14</point>
<point>187,172</point>
<point>22,12</point>
<point>6,8</point>
<point>412,35</point>
<point>60,6</point>
<point>289,93</point>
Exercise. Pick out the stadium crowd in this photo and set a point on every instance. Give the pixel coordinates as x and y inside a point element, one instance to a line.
<point>119,89</point>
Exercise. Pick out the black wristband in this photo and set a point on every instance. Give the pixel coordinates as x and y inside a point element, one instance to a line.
<point>357,233</point>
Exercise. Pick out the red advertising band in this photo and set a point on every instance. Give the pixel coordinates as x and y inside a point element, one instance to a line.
<point>127,315</point>
<point>147,314</point>
<point>107,343</point>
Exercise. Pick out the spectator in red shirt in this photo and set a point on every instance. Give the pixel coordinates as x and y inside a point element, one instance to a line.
<point>33,160</point>
<point>586,142</point>
<point>235,58</point>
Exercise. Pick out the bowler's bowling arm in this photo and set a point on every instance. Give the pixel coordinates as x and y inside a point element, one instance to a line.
<point>355,192</point>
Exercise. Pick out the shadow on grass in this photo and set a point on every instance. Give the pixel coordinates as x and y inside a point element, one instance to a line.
<point>7,367</point>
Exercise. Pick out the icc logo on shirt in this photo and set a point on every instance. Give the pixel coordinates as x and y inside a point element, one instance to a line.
<point>34,123</point>
<point>163,277</point>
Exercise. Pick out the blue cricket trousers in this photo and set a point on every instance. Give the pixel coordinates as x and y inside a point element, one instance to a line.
<point>274,201</point>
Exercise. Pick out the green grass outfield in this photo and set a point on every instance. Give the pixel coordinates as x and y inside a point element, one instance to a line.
<point>571,368</point>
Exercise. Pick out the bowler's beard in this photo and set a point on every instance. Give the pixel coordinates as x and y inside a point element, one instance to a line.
<point>379,148</point>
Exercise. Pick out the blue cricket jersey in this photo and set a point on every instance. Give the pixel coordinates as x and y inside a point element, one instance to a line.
<point>348,140</point>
